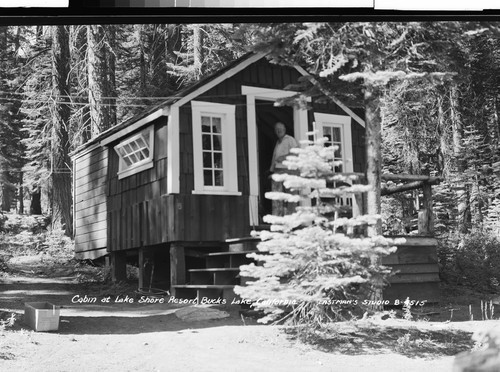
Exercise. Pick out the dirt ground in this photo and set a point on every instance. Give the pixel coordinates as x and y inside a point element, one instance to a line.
<point>150,337</point>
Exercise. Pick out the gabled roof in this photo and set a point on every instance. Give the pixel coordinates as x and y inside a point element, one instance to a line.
<point>162,108</point>
<point>189,93</point>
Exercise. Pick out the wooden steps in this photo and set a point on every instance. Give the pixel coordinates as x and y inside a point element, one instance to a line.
<point>217,271</point>
<point>214,271</point>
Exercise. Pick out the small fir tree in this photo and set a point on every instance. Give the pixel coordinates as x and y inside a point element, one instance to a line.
<point>314,265</point>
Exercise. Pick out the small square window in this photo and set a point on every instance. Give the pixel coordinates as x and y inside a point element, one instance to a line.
<point>135,153</point>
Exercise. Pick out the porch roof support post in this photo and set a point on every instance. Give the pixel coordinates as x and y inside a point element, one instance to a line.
<point>253,173</point>
<point>173,166</point>
<point>373,154</point>
<point>426,214</point>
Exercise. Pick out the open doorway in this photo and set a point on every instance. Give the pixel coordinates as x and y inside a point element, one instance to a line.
<point>266,116</point>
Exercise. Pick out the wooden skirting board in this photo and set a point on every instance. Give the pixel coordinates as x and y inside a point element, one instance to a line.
<point>415,270</point>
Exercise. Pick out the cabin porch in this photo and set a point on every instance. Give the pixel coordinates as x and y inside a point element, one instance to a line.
<point>192,269</point>
<point>211,269</point>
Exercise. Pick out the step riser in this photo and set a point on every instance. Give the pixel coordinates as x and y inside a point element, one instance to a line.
<point>207,296</point>
<point>214,278</point>
<point>227,261</point>
<point>243,246</point>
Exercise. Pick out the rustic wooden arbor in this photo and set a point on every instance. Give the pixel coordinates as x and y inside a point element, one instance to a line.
<point>415,262</point>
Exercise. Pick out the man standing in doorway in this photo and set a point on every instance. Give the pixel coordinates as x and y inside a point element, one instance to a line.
<point>281,150</point>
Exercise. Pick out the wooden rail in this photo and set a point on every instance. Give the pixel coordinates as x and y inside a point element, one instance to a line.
<point>410,182</point>
<point>425,213</point>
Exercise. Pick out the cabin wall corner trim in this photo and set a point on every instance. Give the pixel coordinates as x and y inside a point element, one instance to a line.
<point>173,171</point>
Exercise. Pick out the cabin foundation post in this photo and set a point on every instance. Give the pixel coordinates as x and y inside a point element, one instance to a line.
<point>118,266</point>
<point>425,214</point>
<point>141,267</point>
<point>145,263</point>
<point>177,266</point>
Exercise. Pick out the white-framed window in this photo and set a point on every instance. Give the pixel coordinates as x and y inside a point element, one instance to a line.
<point>334,134</point>
<point>337,128</point>
<point>214,148</point>
<point>136,153</point>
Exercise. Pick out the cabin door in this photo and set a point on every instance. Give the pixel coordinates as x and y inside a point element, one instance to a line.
<point>266,115</point>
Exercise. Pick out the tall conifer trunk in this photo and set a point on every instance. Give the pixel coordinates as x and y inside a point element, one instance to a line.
<point>97,78</point>
<point>110,75</point>
<point>463,194</point>
<point>61,168</point>
<point>36,200</point>
<point>5,199</point>
<point>198,34</point>
<point>173,44</point>
<point>80,52</point>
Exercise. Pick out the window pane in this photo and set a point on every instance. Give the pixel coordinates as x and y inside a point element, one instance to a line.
<point>145,152</point>
<point>140,155</point>
<point>327,132</point>
<point>338,152</point>
<point>133,158</point>
<point>145,137</point>
<point>336,134</point>
<point>216,127</point>
<point>219,179</point>
<point>207,178</point>
<point>134,146</point>
<point>127,148</point>
<point>142,144</point>
<point>218,160</point>
<point>206,143</point>
<point>217,142</point>
<point>122,152</point>
<point>205,124</point>
<point>207,159</point>
<point>127,161</point>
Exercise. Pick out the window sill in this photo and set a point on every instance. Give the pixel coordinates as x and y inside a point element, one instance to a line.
<point>214,192</point>
<point>136,169</point>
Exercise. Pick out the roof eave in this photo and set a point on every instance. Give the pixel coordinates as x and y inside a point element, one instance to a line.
<point>116,132</point>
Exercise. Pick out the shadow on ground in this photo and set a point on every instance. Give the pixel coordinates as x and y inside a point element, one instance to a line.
<point>413,343</point>
<point>107,325</point>
<point>98,318</point>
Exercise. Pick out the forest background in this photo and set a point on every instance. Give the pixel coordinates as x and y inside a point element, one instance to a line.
<point>438,87</point>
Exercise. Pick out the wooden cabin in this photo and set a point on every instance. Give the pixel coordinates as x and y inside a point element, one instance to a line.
<point>179,188</point>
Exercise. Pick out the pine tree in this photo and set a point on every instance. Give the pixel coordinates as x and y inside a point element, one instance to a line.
<point>310,262</point>
<point>37,122</point>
